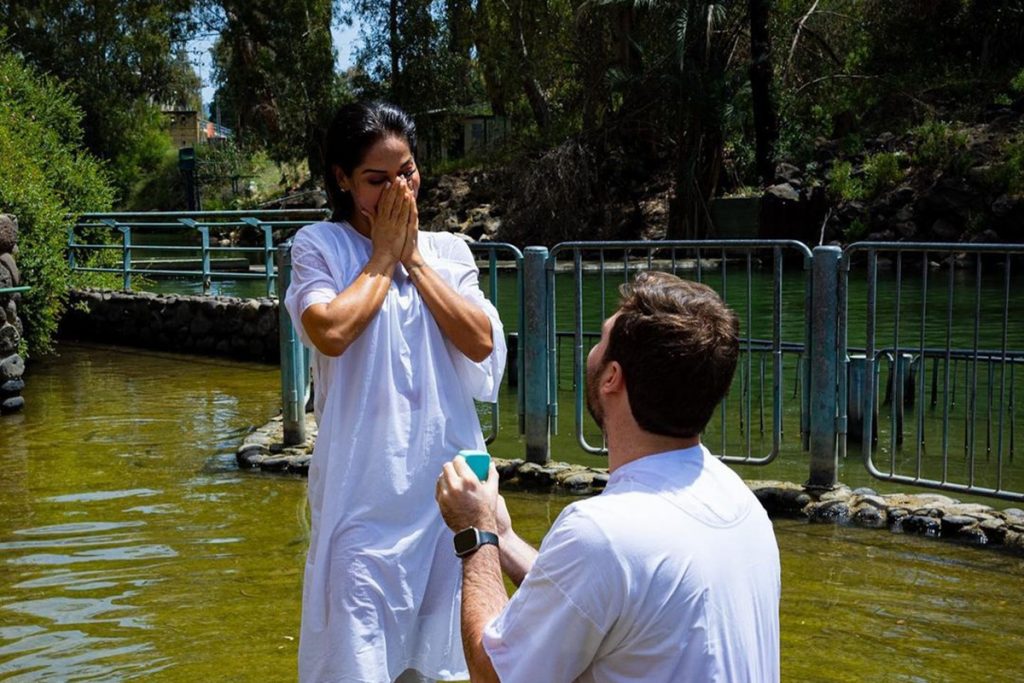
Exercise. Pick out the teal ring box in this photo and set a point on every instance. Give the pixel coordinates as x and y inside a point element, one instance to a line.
<point>479,462</point>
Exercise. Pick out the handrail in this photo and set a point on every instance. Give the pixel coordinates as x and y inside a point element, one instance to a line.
<point>14,290</point>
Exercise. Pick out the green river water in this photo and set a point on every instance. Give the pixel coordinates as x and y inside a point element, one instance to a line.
<point>132,548</point>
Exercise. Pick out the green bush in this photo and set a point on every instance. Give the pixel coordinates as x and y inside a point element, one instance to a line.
<point>842,184</point>
<point>882,172</point>
<point>939,146</point>
<point>46,180</point>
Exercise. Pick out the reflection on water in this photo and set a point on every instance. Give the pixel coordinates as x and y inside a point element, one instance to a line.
<point>131,548</point>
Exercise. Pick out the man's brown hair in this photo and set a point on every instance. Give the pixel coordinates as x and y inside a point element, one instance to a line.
<point>678,345</point>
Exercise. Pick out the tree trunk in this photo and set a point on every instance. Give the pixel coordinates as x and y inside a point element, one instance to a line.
<point>394,47</point>
<point>493,83</point>
<point>766,125</point>
<point>534,94</point>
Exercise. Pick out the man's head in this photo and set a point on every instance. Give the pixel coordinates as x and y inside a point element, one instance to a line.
<point>677,345</point>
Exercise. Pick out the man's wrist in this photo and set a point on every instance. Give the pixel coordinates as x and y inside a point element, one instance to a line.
<point>471,539</point>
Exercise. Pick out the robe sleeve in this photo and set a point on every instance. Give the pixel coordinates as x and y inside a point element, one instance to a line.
<point>312,282</point>
<point>555,625</point>
<point>482,379</point>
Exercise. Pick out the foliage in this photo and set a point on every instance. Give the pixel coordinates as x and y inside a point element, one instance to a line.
<point>116,59</point>
<point>1008,176</point>
<point>842,184</point>
<point>46,180</point>
<point>882,172</point>
<point>274,67</point>
<point>938,145</point>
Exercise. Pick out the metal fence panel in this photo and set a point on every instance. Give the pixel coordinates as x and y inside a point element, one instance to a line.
<point>938,316</point>
<point>714,262</point>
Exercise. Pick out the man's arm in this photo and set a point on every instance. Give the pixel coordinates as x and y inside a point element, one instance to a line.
<point>517,556</point>
<point>465,502</point>
<point>483,599</point>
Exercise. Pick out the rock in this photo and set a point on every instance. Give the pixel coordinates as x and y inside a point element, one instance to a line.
<point>924,525</point>
<point>7,262</point>
<point>1005,205</point>
<point>12,404</point>
<point>870,517</point>
<point>781,498</point>
<point>788,173</point>
<point>12,367</point>
<point>906,229</point>
<point>8,233</point>
<point>12,386</point>
<point>834,511</point>
<point>952,524</point>
<point>866,491</point>
<point>970,534</point>
<point>986,237</point>
<point>9,338</point>
<point>783,192</point>
<point>945,231</point>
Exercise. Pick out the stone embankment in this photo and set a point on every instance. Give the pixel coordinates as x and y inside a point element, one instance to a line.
<point>12,365</point>
<point>244,329</point>
<point>928,514</point>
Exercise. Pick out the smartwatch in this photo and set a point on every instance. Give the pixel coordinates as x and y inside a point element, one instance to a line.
<point>469,540</point>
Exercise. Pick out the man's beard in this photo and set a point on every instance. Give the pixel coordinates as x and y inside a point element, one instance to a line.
<point>593,398</point>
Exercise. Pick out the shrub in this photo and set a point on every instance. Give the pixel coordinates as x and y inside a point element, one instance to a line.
<point>939,146</point>
<point>46,180</point>
<point>881,172</point>
<point>842,184</point>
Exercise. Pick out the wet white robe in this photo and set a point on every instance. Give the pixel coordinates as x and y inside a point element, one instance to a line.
<point>382,584</point>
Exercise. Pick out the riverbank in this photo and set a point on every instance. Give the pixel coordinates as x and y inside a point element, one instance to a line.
<point>932,515</point>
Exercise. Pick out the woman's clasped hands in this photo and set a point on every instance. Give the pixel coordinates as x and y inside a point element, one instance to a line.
<point>394,226</point>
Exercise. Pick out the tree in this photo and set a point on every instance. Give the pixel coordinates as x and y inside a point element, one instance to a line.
<point>766,124</point>
<point>116,59</point>
<point>46,180</point>
<point>274,66</point>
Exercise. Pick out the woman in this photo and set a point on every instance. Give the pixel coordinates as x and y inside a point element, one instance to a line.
<point>403,341</point>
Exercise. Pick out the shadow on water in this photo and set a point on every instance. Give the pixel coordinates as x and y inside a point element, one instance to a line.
<point>132,549</point>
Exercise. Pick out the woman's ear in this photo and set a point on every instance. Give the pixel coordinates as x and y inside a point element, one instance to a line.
<point>341,179</point>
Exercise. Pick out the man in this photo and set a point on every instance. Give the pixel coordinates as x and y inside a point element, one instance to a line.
<point>672,573</point>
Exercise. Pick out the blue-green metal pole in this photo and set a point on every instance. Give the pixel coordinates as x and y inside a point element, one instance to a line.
<point>824,367</point>
<point>535,355</point>
<point>293,362</point>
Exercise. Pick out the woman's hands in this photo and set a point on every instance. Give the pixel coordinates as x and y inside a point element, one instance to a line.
<point>394,226</point>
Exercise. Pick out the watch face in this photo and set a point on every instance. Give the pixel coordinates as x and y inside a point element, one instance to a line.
<point>466,541</point>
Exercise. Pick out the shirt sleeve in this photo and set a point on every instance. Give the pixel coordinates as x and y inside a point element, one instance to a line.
<point>482,379</point>
<point>554,626</point>
<point>311,283</point>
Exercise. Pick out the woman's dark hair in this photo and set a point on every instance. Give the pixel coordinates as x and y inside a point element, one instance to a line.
<point>355,128</point>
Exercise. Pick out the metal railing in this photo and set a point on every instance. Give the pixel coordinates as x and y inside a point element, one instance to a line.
<point>705,261</point>
<point>491,251</point>
<point>925,322</point>
<point>179,227</point>
<point>950,344</point>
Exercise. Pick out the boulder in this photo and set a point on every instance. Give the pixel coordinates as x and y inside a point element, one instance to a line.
<point>7,263</point>
<point>8,233</point>
<point>12,367</point>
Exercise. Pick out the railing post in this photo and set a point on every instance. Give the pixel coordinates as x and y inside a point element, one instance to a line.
<point>293,362</point>
<point>824,367</point>
<point>535,356</point>
<point>268,250</point>
<point>126,256</point>
<point>72,265</point>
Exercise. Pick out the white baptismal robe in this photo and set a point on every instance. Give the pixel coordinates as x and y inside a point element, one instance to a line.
<point>382,584</point>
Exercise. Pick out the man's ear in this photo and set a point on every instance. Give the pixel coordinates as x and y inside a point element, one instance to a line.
<point>612,379</point>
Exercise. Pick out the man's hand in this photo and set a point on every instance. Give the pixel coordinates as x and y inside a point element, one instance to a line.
<point>464,500</point>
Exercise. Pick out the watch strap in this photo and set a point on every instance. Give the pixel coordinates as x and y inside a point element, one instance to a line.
<point>480,537</point>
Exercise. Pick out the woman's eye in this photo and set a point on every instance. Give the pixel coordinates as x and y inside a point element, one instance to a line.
<point>409,174</point>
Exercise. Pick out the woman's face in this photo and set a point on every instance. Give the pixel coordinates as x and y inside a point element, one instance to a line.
<point>384,162</point>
